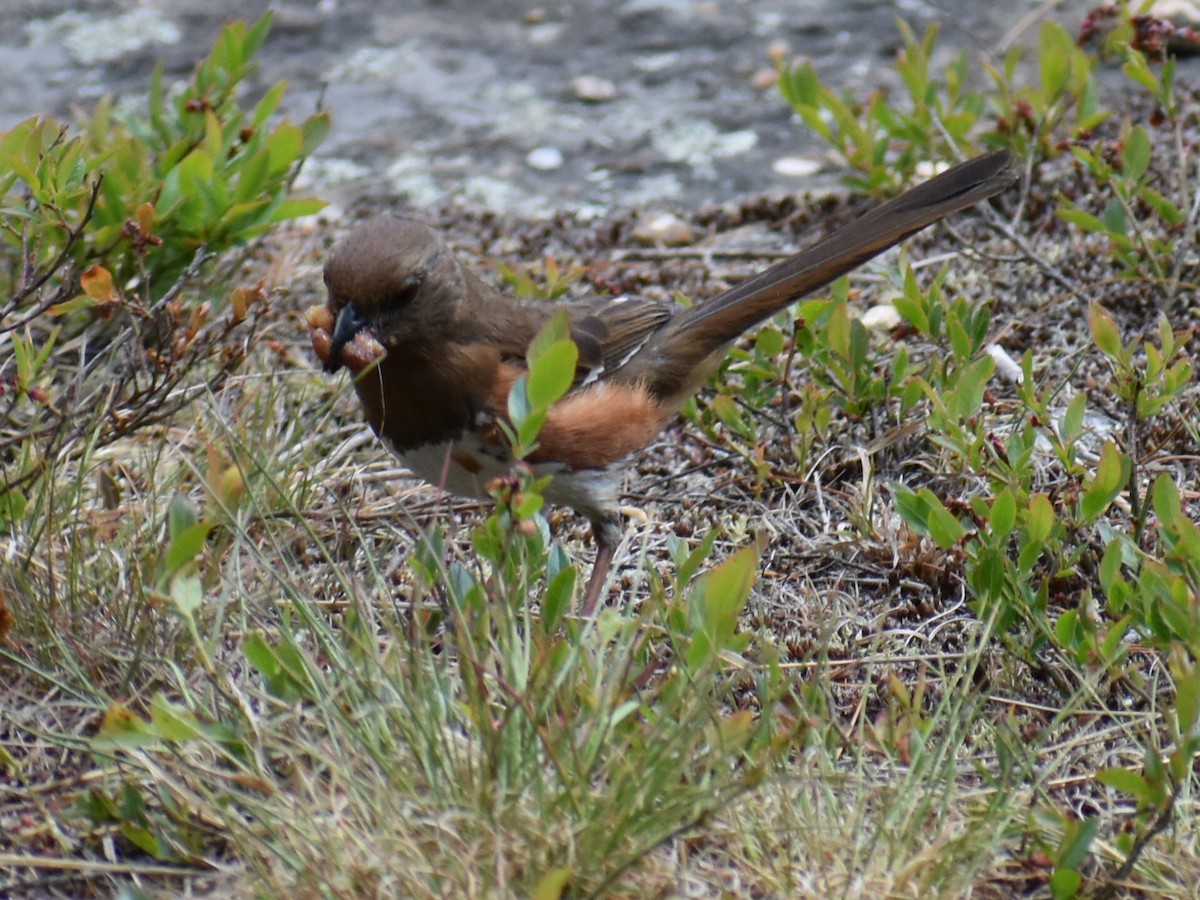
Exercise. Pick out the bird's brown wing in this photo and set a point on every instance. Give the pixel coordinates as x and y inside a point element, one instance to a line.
<point>610,330</point>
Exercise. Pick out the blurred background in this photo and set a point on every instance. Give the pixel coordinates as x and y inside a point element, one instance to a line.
<point>515,105</point>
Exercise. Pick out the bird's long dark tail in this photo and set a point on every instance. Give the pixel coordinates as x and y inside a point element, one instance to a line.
<point>702,330</point>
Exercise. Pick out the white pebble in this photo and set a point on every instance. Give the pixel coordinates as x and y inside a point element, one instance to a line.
<point>1007,367</point>
<point>796,166</point>
<point>544,159</point>
<point>663,228</point>
<point>593,89</point>
<point>883,317</point>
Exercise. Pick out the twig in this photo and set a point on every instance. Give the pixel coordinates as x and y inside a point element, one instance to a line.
<point>24,861</point>
<point>1161,821</point>
<point>73,235</point>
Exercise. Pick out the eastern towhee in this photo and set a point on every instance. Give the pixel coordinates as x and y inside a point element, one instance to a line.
<point>435,351</point>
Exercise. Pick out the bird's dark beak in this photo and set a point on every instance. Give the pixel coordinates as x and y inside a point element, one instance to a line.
<point>349,323</point>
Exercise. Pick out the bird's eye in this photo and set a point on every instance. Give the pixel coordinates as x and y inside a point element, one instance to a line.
<point>406,291</point>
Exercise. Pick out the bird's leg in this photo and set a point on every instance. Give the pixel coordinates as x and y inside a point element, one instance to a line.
<point>607,534</point>
<point>595,585</point>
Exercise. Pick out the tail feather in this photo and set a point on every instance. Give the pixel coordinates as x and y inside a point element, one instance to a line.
<point>711,325</point>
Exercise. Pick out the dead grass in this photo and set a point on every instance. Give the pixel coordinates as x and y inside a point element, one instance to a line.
<point>936,755</point>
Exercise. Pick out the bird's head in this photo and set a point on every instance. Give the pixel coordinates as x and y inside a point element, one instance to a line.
<point>390,281</point>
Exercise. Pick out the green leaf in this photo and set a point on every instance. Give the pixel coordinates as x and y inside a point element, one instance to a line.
<point>76,174</point>
<point>1136,154</point>
<point>157,96</point>
<point>728,412</point>
<point>315,128</point>
<point>1187,700</point>
<point>1112,648</point>
<point>281,668</point>
<point>182,514</point>
<point>691,563</point>
<point>1077,842</point>
<point>912,311</point>
<point>1066,630</point>
<point>913,508</point>
<point>170,195</point>
<point>972,382</point>
<point>800,85</point>
<point>860,345</point>
<point>143,839</point>
<point>23,356</point>
<point>1104,331</point>
<point>261,655</point>
<point>252,177</point>
<point>121,727</point>
<point>553,884</point>
<point>284,146</point>
<point>1137,69</point>
<point>558,596</point>
<point>529,506</point>
<point>1040,518</point>
<point>1065,884</point>
<point>241,218</point>
<point>989,575</point>
<point>1154,773</point>
<point>1170,212</point>
<point>552,373</point>
<point>1167,503</point>
<point>1110,565</point>
<point>268,104</point>
<point>960,342</point>
<point>837,331</point>
<point>1003,515</point>
<point>253,39</point>
<point>12,505</point>
<point>1081,219</point>
<point>557,328</point>
<point>943,527</point>
<point>717,600</point>
<point>1116,222</point>
<point>769,341</point>
<point>196,168</point>
<point>1112,474</point>
<point>1028,555</point>
<point>43,353</point>
<point>295,208</point>
<point>185,547</point>
<point>1127,782</point>
<point>519,407</point>
<point>530,428</point>
<point>75,304</point>
<point>1071,426</point>
<point>214,136</point>
<point>727,588</point>
<point>187,593</point>
<point>1056,50</point>
<point>1178,377</point>
<point>173,723</point>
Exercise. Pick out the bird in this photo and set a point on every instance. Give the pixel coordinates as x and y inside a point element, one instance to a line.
<point>434,350</point>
